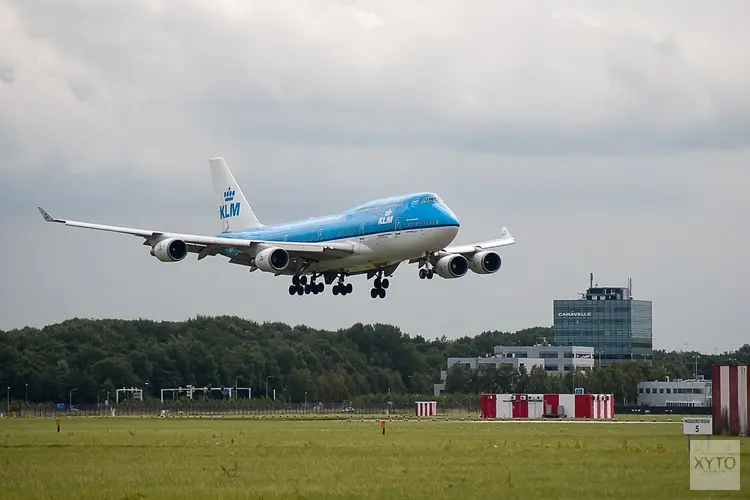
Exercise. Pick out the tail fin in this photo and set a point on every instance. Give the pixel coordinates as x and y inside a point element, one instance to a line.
<point>235,213</point>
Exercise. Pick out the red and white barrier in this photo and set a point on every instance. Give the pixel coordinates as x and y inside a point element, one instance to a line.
<point>593,406</point>
<point>426,408</point>
<point>730,398</point>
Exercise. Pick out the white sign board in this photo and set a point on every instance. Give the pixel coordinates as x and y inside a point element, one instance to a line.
<point>697,426</point>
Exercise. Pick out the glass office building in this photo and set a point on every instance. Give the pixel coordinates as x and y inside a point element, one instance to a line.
<point>608,319</point>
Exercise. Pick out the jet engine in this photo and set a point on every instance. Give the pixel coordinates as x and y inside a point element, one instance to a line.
<point>452,266</point>
<point>272,260</point>
<point>485,262</point>
<point>170,250</point>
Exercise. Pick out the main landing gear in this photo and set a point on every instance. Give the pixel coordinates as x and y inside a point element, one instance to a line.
<point>380,285</point>
<point>342,288</point>
<point>300,286</point>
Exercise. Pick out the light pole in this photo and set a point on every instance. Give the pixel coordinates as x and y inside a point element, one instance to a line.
<point>27,394</point>
<point>70,398</point>
<point>305,400</point>
<point>7,402</point>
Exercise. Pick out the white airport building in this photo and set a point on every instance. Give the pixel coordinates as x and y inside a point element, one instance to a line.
<point>679,392</point>
<point>555,360</point>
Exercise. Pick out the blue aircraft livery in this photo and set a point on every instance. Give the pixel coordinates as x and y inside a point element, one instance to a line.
<point>371,239</point>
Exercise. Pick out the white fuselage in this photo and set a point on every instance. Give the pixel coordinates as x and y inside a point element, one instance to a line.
<point>376,250</point>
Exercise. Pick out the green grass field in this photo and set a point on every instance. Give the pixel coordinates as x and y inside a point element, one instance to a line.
<point>152,458</point>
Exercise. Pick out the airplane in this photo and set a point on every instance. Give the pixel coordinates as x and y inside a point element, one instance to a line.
<point>374,238</point>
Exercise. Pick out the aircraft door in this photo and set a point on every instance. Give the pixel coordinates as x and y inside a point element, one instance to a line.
<point>362,232</point>
<point>398,226</point>
<point>320,234</point>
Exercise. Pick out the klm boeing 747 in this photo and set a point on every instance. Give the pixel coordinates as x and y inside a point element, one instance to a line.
<point>373,239</point>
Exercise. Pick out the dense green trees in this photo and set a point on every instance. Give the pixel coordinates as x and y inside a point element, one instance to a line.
<point>96,356</point>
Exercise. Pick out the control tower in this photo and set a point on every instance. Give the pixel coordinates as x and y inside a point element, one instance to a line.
<point>610,320</point>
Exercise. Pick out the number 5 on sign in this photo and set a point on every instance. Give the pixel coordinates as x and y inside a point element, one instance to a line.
<point>702,426</point>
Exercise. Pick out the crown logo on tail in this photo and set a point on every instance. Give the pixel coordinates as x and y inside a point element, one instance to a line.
<point>229,195</point>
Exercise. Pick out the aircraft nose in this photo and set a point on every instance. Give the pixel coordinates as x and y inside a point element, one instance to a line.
<point>449,218</point>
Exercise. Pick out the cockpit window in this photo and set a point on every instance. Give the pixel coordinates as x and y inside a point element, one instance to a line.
<point>430,199</point>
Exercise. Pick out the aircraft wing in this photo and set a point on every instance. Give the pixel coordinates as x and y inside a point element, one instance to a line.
<point>505,239</point>
<point>209,245</point>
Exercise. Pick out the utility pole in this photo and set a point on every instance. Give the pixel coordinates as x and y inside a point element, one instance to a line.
<point>7,402</point>
<point>70,398</point>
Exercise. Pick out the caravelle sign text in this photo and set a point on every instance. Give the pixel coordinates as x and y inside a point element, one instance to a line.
<point>576,314</point>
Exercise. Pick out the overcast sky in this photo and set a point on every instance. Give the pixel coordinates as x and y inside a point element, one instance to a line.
<point>609,138</point>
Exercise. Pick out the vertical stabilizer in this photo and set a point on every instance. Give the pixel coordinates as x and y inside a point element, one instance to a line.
<point>233,209</point>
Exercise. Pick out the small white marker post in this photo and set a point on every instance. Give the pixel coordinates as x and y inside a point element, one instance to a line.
<point>697,426</point>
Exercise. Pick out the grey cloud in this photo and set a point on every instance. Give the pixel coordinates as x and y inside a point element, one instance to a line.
<point>609,138</point>
<point>669,222</point>
<point>509,80</point>
<point>6,74</point>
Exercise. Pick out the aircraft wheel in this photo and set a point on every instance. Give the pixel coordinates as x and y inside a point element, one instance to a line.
<point>385,283</point>
<point>321,287</point>
<point>300,290</point>
<point>374,293</point>
<point>381,292</point>
<point>430,274</point>
<point>335,289</point>
<point>303,280</point>
<point>349,288</point>
<point>292,290</point>
<point>422,274</point>
<point>377,283</point>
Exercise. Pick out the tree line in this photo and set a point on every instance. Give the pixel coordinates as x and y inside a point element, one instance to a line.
<point>299,363</point>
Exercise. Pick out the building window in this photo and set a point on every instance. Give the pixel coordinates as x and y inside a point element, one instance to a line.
<point>640,390</point>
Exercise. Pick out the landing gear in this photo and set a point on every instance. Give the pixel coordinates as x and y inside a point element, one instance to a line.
<point>426,274</point>
<point>379,286</point>
<point>342,288</point>
<point>300,286</point>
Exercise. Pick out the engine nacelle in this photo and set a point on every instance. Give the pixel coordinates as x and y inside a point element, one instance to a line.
<point>272,260</point>
<point>485,262</point>
<point>170,250</point>
<point>452,266</point>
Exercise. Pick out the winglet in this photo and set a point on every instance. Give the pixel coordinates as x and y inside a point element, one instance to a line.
<point>47,216</point>
<point>505,234</point>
